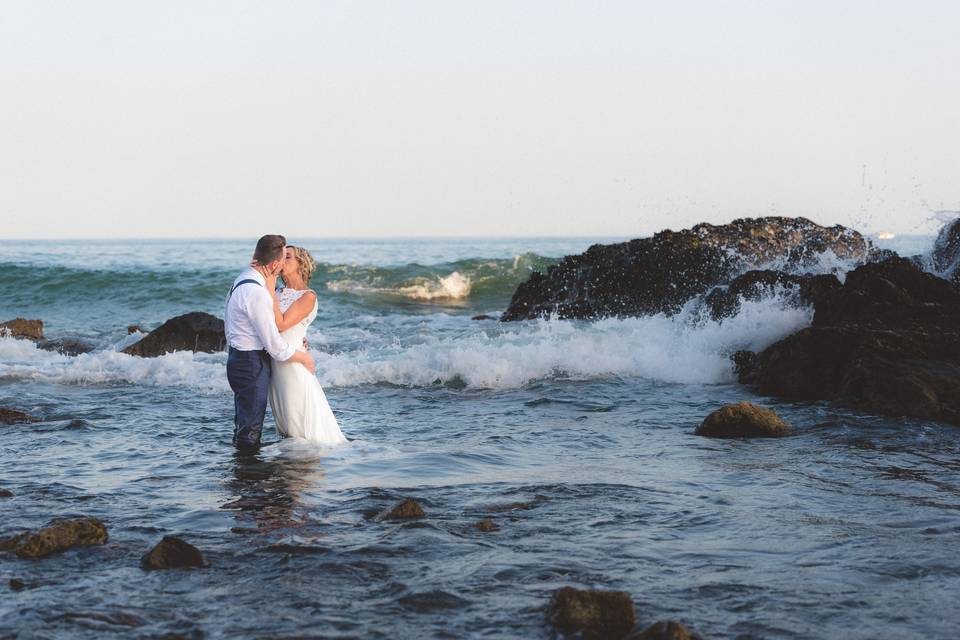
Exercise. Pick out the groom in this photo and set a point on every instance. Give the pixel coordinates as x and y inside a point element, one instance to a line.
<point>253,337</point>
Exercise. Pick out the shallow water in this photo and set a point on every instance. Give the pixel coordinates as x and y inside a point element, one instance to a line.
<point>576,438</point>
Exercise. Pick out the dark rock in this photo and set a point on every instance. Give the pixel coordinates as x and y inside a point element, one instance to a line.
<point>403,510</point>
<point>743,420</point>
<point>665,630</point>
<point>594,614</point>
<point>135,328</point>
<point>660,274</point>
<point>61,535</point>
<point>483,316</point>
<point>173,553</point>
<point>17,585</point>
<point>946,251</point>
<point>6,493</point>
<point>724,302</point>
<point>487,525</point>
<point>888,342</point>
<point>12,416</point>
<point>196,331</point>
<point>22,328</point>
<point>65,346</point>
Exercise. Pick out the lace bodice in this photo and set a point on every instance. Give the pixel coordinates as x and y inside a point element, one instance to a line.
<point>295,334</point>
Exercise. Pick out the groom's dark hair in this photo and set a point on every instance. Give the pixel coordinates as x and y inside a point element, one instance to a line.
<point>269,248</point>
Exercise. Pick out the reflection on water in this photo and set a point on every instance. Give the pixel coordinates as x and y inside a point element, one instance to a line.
<point>266,487</point>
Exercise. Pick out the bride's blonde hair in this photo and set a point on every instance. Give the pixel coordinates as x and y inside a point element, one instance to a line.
<point>306,265</point>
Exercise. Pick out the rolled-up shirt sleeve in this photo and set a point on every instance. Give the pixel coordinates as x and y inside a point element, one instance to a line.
<point>264,323</point>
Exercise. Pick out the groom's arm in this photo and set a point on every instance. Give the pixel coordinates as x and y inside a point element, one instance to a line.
<point>261,315</point>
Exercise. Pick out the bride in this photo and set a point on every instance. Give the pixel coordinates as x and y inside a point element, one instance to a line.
<point>298,403</point>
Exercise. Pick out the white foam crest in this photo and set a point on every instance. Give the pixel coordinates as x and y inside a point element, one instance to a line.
<point>451,287</point>
<point>672,349</point>
<point>21,359</point>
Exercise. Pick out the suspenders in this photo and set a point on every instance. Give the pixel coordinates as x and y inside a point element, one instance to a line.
<point>230,295</point>
<point>247,281</point>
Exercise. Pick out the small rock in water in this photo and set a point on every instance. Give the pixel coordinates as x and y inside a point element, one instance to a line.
<point>487,525</point>
<point>592,613</point>
<point>135,328</point>
<point>173,553</point>
<point>483,316</point>
<point>65,346</point>
<point>196,331</point>
<point>12,416</point>
<point>6,493</point>
<point>665,630</point>
<point>17,585</point>
<point>743,420</point>
<point>61,535</point>
<point>22,328</point>
<point>404,510</point>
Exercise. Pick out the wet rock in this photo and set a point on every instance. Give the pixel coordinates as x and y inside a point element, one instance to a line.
<point>196,331</point>
<point>888,342</point>
<point>13,416</point>
<point>65,346</point>
<point>22,328</point>
<point>61,535</point>
<point>487,525</point>
<point>135,328</point>
<point>17,585</point>
<point>665,630</point>
<point>404,510</point>
<point>724,302</point>
<point>517,506</point>
<point>660,274</point>
<point>6,493</point>
<point>594,614</point>
<point>743,420</point>
<point>173,553</point>
<point>946,251</point>
<point>483,316</point>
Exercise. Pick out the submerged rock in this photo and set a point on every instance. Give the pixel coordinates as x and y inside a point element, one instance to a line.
<point>743,420</point>
<point>17,584</point>
<point>594,614</point>
<point>65,346</point>
<point>61,535</point>
<point>173,553</point>
<point>665,630</point>
<point>22,328</point>
<point>13,416</point>
<point>487,525</point>
<point>196,331</point>
<point>403,510</point>
<point>660,274</point>
<point>6,493</point>
<point>888,341</point>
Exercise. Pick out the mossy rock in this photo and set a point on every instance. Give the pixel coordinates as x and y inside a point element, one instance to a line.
<point>61,535</point>
<point>592,613</point>
<point>743,420</point>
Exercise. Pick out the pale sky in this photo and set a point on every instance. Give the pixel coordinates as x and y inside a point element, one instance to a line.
<point>447,118</point>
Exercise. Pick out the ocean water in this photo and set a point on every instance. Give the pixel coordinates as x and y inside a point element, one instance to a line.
<point>575,437</point>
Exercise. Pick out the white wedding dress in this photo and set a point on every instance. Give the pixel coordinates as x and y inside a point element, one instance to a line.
<point>299,405</point>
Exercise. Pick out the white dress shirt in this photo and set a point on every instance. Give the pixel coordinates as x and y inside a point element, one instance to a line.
<point>248,319</point>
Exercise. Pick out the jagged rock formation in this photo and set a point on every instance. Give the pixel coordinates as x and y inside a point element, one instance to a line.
<point>887,341</point>
<point>660,274</point>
